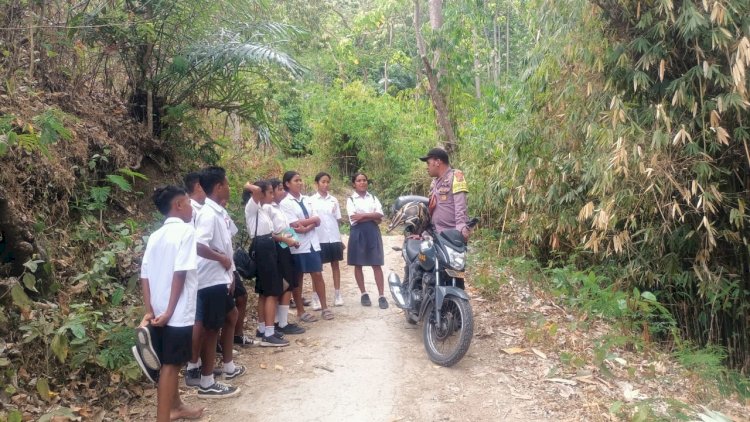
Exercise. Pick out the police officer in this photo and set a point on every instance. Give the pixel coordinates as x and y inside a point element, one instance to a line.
<point>448,194</point>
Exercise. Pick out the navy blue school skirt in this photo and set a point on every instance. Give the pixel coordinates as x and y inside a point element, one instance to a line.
<point>365,245</point>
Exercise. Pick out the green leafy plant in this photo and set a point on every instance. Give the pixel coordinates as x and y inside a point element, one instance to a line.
<point>44,130</point>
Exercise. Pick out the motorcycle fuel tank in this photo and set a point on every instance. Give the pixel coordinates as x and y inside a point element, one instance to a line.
<point>426,256</point>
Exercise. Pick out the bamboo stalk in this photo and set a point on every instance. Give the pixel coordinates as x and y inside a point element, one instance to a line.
<point>505,214</point>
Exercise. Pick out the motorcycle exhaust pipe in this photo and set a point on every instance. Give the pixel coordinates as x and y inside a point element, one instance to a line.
<point>394,284</point>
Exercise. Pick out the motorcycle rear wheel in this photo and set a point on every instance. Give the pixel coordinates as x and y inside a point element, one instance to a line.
<point>448,341</point>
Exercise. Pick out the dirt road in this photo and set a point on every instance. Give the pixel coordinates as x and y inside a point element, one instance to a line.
<point>367,364</point>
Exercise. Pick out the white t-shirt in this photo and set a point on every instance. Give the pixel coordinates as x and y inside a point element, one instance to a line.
<point>169,249</point>
<point>358,204</point>
<point>265,223</point>
<point>293,212</point>
<point>329,211</point>
<point>212,227</point>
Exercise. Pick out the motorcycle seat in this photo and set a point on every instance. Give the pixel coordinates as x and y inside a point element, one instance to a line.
<point>454,238</point>
<point>412,248</point>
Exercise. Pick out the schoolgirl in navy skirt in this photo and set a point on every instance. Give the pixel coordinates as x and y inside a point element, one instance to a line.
<point>331,248</point>
<point>365,242</point>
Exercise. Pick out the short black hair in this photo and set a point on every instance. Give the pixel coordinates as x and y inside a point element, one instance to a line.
<point>163,196</point>
<point>246,195</point>
<point>275,183</point>
<point>321,175</point>
<point>288,176</point>
<point>210,177</point>
<point>190,180</point>
<point>359,173</point>
<point>263,185</point>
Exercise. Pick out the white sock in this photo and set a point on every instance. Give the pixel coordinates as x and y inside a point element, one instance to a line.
<point>338,292</point>
<point>364,293</point>
<point>207,380</point>
<point>282,312</point>
<point>269,330</point>
<point>315,296</point>
<point>229,367</point>
<point>192,365</point>
<point>261,326</point>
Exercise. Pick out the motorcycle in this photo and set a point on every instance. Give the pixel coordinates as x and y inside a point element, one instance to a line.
<point>432,290</point>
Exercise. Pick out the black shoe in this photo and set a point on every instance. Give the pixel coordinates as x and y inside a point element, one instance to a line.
<point>289,329</point>
<point>151,374</point>
<point>193,377</point>
<point>382,302</point>
<point>244,341</point>
<point>365,300</point>
<point>239,370</point>
<point>276,334</point>
<point>218,391</point>
<point>146,348</point>
<point>274,341</point>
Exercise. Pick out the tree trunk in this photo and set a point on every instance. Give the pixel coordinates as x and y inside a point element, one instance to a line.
<point>150,111</point>
<point>495,50</point>
<point>477,66</point>
<point>236,130</point>
<point>436,14</point>
<point>441,110</point>
<point>436,24</point>
<point>385,64</point>
<point>445,127</point>
<point>507,43</point>
<point>15,240</point>
<point>420,48</point>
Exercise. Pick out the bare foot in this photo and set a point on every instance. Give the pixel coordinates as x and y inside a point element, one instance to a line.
<point>186,412</point>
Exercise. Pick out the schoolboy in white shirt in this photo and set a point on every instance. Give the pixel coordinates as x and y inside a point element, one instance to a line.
<point>168,282</point>
<point>215,305</point>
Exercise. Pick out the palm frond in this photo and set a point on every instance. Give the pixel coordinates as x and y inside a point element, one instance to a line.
<point>231,50</point>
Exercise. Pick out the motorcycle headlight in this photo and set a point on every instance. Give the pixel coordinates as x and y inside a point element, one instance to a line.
<point>457,260</point>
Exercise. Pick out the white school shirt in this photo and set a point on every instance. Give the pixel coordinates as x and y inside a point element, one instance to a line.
<point>329,211</point>
<point>196,208</point>
<point>212,227</point>
<point>265,224</point>
<point>277,217</point>
<point>293,212</point>
<point>356,204</point>
<point>169,249</point>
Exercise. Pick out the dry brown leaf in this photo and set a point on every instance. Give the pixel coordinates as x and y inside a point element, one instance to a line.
<point>561,381</point>
<point>586,379</point>
<point>539,353</point>
<point>278,367</point>
<point>263,366</point>
<point>513,350</point>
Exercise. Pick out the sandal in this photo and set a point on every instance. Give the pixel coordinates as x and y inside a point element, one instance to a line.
<point>308,317</point>
<point>327,314</point>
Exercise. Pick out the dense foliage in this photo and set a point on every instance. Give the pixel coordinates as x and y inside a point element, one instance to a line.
<point>635,153</point>
<point>606,139</point>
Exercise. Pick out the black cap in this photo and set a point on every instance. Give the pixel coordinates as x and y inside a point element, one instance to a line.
<point>437,153</point>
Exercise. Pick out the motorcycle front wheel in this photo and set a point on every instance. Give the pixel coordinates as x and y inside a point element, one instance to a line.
<point>448,340</point>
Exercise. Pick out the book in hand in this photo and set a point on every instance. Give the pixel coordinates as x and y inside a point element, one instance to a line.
<point>288,232</point>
